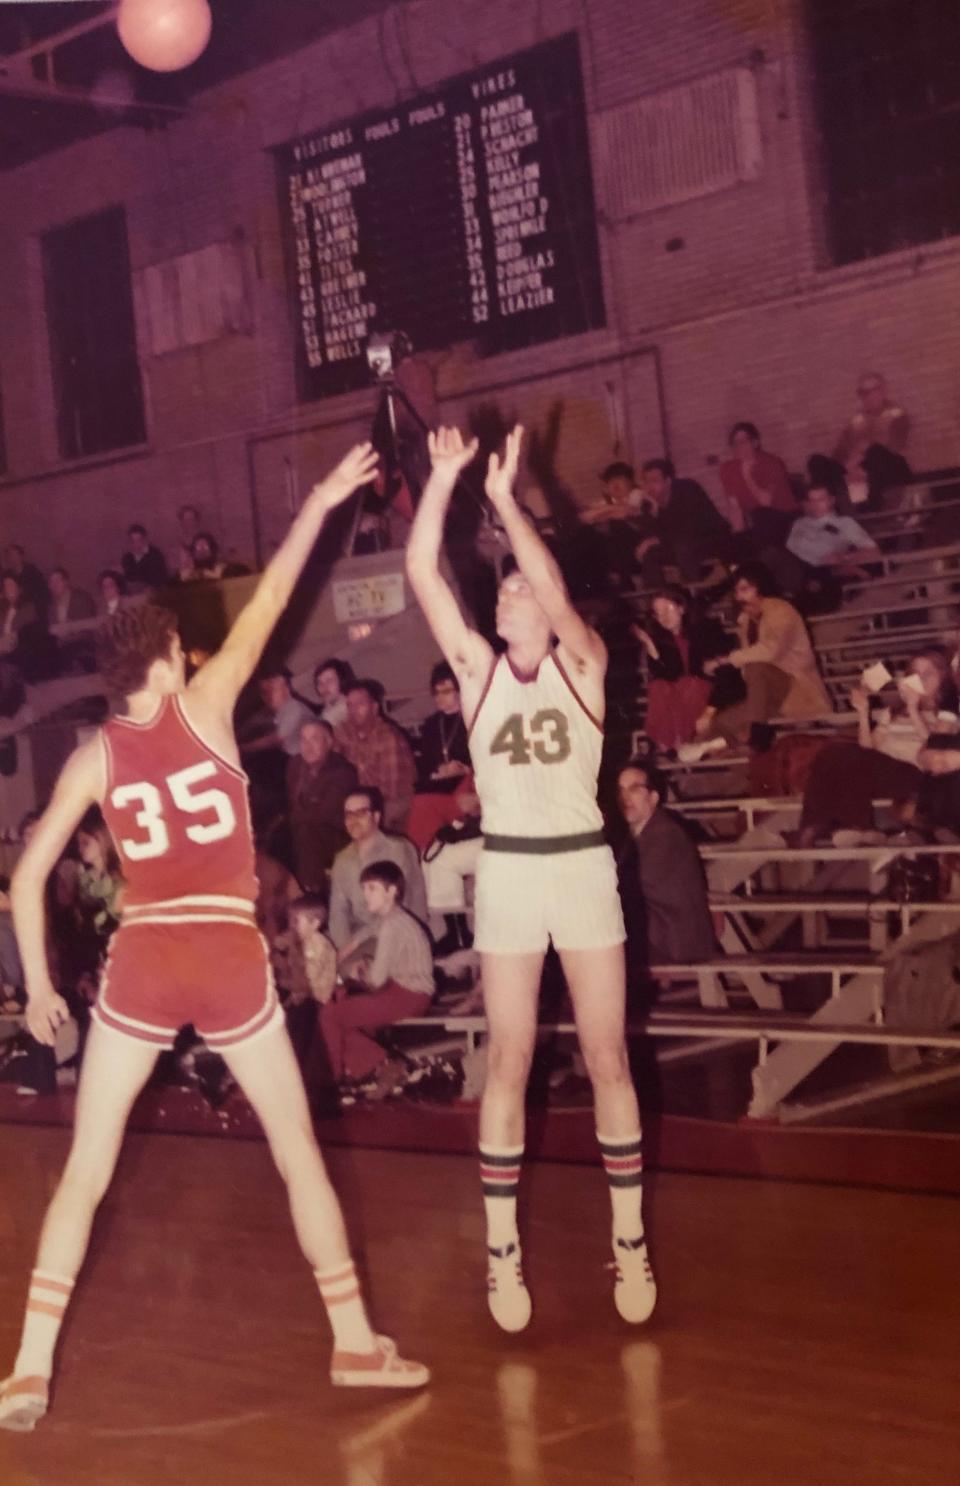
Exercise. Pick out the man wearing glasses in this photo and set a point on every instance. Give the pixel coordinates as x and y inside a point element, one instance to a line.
<point>351,923</point>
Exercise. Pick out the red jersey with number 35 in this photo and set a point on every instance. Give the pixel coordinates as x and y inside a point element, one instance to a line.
<point>178,812</point>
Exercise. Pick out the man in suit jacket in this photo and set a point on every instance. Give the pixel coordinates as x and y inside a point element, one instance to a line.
<point>66,602</point>
<point>688,528</point>
<point>662,883</point>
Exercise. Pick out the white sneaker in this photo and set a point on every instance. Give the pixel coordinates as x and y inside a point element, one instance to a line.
<point>635,1290</point>
<point>692,753</point>
<point>507,1293</point>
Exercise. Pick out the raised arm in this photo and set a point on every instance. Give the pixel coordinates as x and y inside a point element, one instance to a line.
<point>80,785</point>
<point>221,680</point>
<point>535,560</point>
<point>467,652</point>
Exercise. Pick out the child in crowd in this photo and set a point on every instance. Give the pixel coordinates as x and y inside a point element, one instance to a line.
<point>396,985</point>
<point>305,968</point>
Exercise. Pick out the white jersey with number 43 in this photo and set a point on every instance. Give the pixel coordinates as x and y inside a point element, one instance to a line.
<point>536,754</point>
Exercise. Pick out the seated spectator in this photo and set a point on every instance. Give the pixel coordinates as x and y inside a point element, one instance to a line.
<point>67,603</point>
<point>33,585</point>
<point>776,661</point>
<point>821,549</point>
<point>820,538</point>
<point>622,497</point>
<point>662,883</point>
<point>144,566</point>
<point>444,761</point>
<point>688,528</point>
<point>11,970</point>
<point>449,860</point>
<point>845,778</point>
<point>318,782</point>
<point>188,525</point>
<point>205,564</point>
<point>99,883</point>
<point>112,588</point>
<point>277,723</point>
<point>304,964</point>
<point>268,738</point>
<point>677,642</point>
<point>398,984</point>
<point>351,923</point>
<point>379,751</point>
<point>330,681</point>
<point>24,638</point>
<point>624,516</point>
<point>758,487</point>
<point>878,423</point>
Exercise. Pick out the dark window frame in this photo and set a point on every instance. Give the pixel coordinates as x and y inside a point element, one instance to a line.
<point>91,328</point>
<point>886,93</point>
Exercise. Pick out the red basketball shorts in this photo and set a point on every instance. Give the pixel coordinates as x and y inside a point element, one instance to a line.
<point>167,968</point>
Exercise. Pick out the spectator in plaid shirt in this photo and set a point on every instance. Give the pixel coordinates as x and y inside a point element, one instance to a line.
<point>379,751</point>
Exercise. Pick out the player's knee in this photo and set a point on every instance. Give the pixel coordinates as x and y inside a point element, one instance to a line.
<point>293,1147</point>
<point>508,1063</point>
<point>607,1062</point>
<point>84,1181</point>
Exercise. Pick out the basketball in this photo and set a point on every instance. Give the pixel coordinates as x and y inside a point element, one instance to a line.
<point>164,35</point>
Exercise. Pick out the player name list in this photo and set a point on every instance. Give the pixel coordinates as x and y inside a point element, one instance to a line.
<point>465,213</point>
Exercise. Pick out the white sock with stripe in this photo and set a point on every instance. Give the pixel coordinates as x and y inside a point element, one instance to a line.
<point>623,1163</point>
<point>340,1292</point>
<point>47,1301</point>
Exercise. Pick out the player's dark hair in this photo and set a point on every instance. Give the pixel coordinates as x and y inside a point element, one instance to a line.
<point>136,527</point>
<point>373,689</point>
<point>750,429</point>
<point>618,470</point>
<point>663,465</point>
<point>308,903</point>
<point>342,669</point>
<point>372,795</point>
<point>656,782</point>
<point>442,672</point>
<point>388,873</point>
<point>128,644</point>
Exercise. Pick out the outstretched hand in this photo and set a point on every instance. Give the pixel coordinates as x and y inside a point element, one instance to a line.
<point>448,453</point>
<point>502,473</point>
<point>356,468</point>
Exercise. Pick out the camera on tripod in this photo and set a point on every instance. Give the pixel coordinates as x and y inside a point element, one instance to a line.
<point>385,350</point>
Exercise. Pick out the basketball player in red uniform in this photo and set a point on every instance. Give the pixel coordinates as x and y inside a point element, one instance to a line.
<point>535,716</point>
<point>167,775</point>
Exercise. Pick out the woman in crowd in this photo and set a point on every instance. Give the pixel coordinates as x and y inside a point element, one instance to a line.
<point>757,487</point>
<point>444,761</point>
<point>677,642</point>
<point>845,778</point>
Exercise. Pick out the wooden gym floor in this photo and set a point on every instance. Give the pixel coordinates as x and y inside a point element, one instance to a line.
<point>806,1334</point>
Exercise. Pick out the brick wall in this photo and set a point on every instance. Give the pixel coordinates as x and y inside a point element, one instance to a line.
<point>740,321</point>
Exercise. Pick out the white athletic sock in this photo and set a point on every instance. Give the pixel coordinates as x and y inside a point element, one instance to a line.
<point>340,1292</point>
<point>499,1180</point>
<point>623,1163</point>
<point>47,1301</point>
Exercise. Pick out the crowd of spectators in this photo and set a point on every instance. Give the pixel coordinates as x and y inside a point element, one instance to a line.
<point>369,837</point>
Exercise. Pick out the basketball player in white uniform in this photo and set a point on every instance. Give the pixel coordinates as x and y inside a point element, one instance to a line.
<point>535,716</point>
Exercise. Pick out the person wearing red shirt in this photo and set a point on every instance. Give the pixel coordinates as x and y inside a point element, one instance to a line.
<point>757,484</point>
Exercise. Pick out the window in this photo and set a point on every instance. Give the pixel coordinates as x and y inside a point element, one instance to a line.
<point>93,344</point>
<point>888,106</point>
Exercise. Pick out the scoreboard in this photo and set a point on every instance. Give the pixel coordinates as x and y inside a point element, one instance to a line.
<point>466,213</point>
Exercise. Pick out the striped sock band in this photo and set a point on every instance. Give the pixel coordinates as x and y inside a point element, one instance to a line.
<point>500,1168</point>
<point>623,1163</point>
<point>47,1301</point>
<point>340,1292</point>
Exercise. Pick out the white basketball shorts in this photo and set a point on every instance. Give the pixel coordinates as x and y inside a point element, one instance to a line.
<point>523,901</point>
